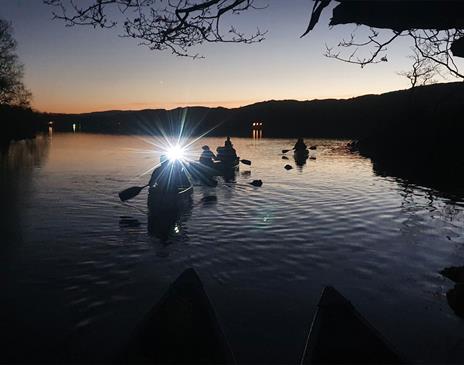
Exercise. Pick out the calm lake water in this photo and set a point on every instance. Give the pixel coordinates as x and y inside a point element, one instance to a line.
<point>79,268</point>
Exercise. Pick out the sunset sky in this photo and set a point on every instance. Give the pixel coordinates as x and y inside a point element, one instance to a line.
<point>82,69</point>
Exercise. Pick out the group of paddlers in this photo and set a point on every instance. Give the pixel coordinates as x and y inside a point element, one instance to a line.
<point>225,154</point>
<point>177,175</point>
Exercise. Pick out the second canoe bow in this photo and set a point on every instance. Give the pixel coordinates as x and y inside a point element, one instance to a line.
<point>340,335</point>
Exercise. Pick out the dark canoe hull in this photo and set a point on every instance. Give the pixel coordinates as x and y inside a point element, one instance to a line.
<point>227,165</point>
<point>218,168</point>
<point>301,155</point>
<point>168,200</point>
<point>166,211</point>
<point>340,335</point>
<point>182,328</point>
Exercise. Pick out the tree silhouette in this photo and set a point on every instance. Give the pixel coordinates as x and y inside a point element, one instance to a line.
<point>172,25</point>
<point>436,27</point>
<point>423,70</point>
<point>12,89</point>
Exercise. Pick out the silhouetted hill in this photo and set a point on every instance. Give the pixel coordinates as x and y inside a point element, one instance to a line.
<point>355,118</point>
<point>420,137</point>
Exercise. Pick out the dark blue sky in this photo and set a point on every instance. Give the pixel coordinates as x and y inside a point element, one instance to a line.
<point>84,69</point>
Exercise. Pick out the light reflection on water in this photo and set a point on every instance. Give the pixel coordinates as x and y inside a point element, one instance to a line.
<point>82,268</point>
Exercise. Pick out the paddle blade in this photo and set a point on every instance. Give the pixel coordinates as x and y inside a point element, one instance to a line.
<point>246,162</point>
<point>130,193</point>
<point>285,151</point>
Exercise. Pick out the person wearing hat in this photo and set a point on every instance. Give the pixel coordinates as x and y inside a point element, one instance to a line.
<point>207,156</point>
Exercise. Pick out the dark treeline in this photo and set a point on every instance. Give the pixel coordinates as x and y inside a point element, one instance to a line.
<point>18,120</point>
<point>420,138</point>
<point>416,111</point>
<point>20,123</point>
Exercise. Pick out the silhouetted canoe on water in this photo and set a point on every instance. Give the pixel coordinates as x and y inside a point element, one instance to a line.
<point>301,154</point>
<point>340,335</point>
<point>181,329</point>
<point>167,200</point>
<point>217,168</point>
<point>234,163</point>
<point>226,165</point>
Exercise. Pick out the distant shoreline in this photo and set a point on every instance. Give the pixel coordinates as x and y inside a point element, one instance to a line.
<point>354,118</point>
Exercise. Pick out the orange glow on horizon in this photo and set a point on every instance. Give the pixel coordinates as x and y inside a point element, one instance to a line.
<point>78,108</point>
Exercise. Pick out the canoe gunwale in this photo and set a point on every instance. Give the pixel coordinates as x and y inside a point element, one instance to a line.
<point>337,319</point>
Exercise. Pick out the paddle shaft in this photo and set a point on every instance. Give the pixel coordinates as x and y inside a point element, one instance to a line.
<point>131,192</point>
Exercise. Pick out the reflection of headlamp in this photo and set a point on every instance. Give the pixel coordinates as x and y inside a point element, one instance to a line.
<point>175,153</point>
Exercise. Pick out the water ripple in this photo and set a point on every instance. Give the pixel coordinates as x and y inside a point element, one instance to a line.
<point>263,252</point>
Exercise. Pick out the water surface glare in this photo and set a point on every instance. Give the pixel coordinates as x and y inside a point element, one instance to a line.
<point>79,268</point>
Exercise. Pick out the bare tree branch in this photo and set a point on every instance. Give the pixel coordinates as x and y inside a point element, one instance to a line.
<point>423,70</point>
<point>181,25</point>
<point>175,25</point>
<point>435,46</point>
<point>377,51</point>
<point>434,29</point>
